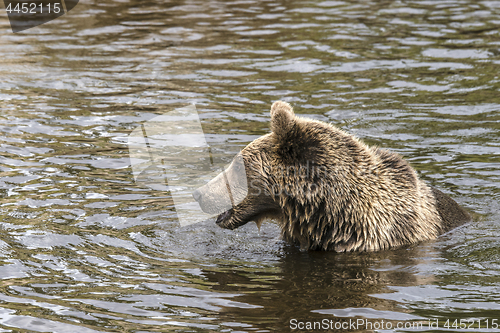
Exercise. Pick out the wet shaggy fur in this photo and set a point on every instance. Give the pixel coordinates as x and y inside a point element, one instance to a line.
<point>329,191</point>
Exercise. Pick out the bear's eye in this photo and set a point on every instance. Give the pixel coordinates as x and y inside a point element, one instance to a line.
<point>238,166</point>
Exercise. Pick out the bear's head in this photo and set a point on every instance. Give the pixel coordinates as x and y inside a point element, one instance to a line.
<point>285,171</point>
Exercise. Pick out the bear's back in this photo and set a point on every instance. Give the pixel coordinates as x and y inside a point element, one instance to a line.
<point>451,213</point>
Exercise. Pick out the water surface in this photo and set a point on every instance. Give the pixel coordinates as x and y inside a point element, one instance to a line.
<point>83,248</point>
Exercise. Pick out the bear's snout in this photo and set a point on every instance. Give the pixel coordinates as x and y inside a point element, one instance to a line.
<point>197,195</point>
<point>223,218</point>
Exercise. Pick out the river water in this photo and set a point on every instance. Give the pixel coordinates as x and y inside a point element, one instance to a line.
<point>83,248</point>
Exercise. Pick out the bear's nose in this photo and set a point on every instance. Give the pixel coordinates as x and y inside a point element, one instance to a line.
<point>197,195</point>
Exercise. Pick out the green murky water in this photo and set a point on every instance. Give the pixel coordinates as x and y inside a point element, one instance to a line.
<point>83,248</point>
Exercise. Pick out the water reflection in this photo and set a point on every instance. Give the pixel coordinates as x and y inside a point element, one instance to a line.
<point>321,282</point>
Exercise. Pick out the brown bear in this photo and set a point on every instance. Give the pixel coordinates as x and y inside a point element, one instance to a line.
<point>329,191</point>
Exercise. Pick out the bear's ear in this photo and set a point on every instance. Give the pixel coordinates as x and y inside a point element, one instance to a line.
<point>282,118</point>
